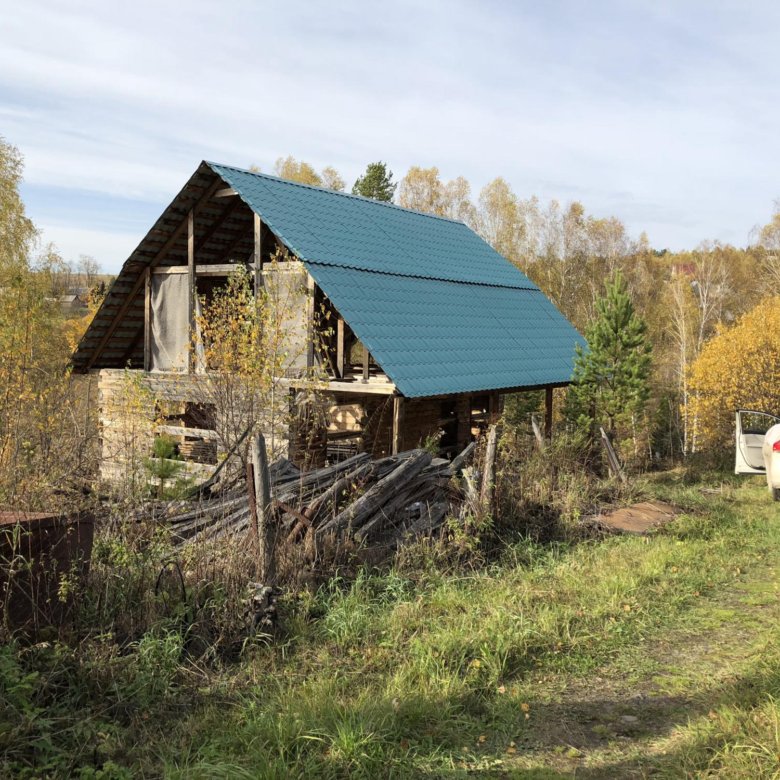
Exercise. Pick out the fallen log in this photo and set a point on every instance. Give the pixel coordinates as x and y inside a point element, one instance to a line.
<point>303,488</point>
<point>396,493</point>
<point>330,498</point>
<point>461,460</point>
<point>417,493</point>
<point>361,510</point>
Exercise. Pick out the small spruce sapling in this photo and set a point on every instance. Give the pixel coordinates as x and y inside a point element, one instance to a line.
<point>164,465</point>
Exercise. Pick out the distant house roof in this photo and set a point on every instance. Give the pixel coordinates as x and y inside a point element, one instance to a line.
<point>687,269</point>
<point>438,308</point>
<point>69,300</point>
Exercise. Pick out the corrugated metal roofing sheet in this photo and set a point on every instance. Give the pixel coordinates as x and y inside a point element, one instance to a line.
<point>346,230</point>
<point>435,337</point>
<point>439,309</point>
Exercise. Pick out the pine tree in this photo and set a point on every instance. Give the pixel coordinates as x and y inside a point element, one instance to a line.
<point>610,382</point>
<point>376,182</point>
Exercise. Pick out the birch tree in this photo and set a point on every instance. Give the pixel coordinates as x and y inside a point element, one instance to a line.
<point>305,173</point>
<point>769,241</point>
<point>500,221</point>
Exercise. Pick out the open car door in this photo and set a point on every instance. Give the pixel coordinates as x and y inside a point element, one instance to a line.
<point>751,429</point>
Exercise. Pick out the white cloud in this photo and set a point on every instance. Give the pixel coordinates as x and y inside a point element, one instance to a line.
<point>640,110</point>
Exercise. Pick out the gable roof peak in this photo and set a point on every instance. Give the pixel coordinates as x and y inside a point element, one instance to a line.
<point>293,183</point>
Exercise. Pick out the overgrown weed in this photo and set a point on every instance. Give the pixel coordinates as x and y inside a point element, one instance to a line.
<point>545,491</point>
<point>389,673</point>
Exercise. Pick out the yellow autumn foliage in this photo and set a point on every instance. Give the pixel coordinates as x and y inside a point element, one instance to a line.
<point>738,368</point>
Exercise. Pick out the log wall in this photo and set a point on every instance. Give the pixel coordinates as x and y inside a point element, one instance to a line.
<point>131,403</point>
<point>421,419</point>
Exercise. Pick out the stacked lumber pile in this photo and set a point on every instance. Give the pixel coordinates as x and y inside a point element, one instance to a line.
<point>367,501</point>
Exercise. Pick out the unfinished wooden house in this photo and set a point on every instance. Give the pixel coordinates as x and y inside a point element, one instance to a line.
<point>430,326</point>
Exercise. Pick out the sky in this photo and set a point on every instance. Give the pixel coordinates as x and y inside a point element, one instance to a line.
<point>663,114</point>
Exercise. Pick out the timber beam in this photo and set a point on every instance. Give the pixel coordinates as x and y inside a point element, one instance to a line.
<point>398,417</point>
<point>548,412</point>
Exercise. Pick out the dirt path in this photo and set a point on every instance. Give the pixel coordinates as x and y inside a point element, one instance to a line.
<point>621,721</point>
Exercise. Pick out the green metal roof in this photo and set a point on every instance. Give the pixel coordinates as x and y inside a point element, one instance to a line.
<point>333,228</point>
<point>435,337</point>
<point>439,309</point>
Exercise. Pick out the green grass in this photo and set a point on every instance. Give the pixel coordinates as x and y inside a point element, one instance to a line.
<point>436,677</point>
<point>607,658</point>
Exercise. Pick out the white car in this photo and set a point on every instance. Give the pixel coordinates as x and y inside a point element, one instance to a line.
<point>758,447</point>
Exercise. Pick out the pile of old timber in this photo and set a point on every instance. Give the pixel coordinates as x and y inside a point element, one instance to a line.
<point>365,501</point>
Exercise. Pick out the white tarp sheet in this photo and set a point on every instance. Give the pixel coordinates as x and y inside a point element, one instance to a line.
<point>170,322</point>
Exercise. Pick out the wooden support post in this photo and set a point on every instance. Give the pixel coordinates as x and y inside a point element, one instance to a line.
<point>311,331</point>
<point>463,417</point>
<point>537,432</point>
<point>191,296</point>
<point>262,491</point>
<point>494,407</point>
<point>148,320</point>
<point>487,490</point>
<point>398,416</point>
<point>340,347</point>
<point>365,363</point>
<point>258,253</point>
<point>548,412</point>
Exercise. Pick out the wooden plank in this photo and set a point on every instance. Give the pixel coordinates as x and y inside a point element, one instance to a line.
<point>487,490</point>
<point>162,252</point>
<point>398,413</point>
<point>548,412</point>
<point>213,269</point>
<point>355,388</point>
<point>217,224</point>
<point>612,459</point>
<point>191,288</point>
<point>340,348</point>
<point>354,515</point>
<point>176,430</point>
<point>265,531</point>
<point>225,192</point>
<point>128,353</point>
<point>148,320</point>
<point>223,269</point>
<point>311,289</point>
<point>257,255</point>
<point>460,460</point>
<point>365,364</point>
<point>537,432</point>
